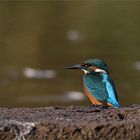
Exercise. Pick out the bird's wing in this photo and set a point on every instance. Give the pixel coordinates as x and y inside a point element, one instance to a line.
<point>114,89</point>
<point>112,95</point>
<point>96,87</point>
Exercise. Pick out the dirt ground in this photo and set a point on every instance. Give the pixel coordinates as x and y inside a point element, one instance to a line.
<point>70,123</point>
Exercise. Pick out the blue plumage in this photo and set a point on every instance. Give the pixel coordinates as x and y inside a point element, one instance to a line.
<point>112,95</point>
<point>95,87</point>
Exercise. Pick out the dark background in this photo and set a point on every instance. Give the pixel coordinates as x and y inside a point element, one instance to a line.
<point>39,38</point>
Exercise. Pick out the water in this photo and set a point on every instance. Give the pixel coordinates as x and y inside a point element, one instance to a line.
<point>37,39</point>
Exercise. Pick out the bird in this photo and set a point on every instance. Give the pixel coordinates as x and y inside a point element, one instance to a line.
<point>98,85</point>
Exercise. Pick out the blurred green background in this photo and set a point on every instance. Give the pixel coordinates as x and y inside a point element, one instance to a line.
<point>39,38</point>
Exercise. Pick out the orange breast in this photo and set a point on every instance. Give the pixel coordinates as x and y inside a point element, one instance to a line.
<point>93,100</point>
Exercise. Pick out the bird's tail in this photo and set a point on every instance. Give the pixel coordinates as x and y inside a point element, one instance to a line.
<point>116,105</point>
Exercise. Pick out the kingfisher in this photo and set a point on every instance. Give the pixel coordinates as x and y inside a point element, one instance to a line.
<point>98,85</point>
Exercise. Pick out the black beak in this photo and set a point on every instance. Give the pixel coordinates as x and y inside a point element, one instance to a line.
<point>78,66</point>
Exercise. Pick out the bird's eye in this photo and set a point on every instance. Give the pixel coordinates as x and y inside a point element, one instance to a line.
<point>86,65</point>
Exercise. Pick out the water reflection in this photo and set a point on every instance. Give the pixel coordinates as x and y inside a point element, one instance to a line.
<point>61,99</point>
<point>75,36</point>
<point>38,74</point>
<point>137,65</point>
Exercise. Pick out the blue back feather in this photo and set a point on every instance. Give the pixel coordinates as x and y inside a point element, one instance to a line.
<point>95,86</point>
<point>101,87</point>
<point>112,95</point>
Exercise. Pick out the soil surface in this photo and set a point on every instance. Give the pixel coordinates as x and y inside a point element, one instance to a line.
<point>70,123</point>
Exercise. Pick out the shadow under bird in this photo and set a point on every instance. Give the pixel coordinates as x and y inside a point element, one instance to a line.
<point>98,85</point>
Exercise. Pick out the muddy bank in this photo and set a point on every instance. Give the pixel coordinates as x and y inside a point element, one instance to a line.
<point>72,123</point>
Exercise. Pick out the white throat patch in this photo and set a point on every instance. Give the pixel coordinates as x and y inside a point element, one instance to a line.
<point>100,70</point>
<point>85,71</point>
